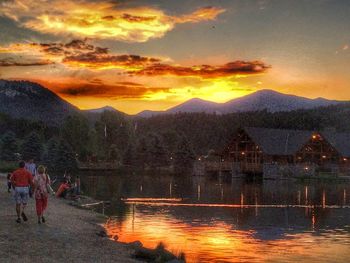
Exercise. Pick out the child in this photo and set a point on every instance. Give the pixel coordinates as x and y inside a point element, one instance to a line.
<point>9,184</point>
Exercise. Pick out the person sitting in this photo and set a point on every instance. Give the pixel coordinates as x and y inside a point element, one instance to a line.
<point>63,190</point>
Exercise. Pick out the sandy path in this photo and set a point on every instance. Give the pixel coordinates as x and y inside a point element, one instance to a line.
<point>68,236</point>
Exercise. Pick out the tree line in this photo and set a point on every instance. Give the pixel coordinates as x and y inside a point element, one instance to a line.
<point>163,140</point>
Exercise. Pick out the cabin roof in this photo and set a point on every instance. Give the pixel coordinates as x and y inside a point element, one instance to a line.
<point>340,141</point>
<point>279,141</point>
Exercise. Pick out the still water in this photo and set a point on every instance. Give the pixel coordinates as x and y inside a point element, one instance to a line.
<point>228,221</point>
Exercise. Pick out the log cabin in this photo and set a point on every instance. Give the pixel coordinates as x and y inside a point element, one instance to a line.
<point>255,150</point>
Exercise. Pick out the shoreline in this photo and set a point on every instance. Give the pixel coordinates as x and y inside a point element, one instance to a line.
<point>70,234</point>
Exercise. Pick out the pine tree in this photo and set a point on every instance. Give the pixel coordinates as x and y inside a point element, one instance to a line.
<point>113,153</point>
<point>50,155</point>
<point>142,155</point>
<point>170,139</point>
<point>157,151</point>
<point>9,147</point>
<point>130,155</point>
<point>32,147</point>
<point>75,131</point>
<point>184,155</point>
<point>65,158</point>
<point>112,128</point>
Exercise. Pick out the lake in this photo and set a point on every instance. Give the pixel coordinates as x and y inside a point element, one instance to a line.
<point>211,220</point>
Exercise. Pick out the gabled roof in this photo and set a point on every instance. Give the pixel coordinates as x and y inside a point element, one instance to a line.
<point>278,141</point>
<point>340,141</point>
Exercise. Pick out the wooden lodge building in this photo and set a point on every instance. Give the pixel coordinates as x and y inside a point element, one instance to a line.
<point>280,152</point>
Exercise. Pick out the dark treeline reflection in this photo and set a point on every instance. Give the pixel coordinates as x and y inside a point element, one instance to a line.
<point>113,186</point>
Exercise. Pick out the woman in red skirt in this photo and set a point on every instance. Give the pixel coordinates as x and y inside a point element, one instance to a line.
<point>41,181</point>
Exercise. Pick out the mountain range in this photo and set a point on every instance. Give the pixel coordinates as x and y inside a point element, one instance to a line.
<point>269,100</point>
<point>29,100</point>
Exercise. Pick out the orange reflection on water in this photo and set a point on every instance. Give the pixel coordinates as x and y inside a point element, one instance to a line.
<point>196,241</point>
<point>217,241</point>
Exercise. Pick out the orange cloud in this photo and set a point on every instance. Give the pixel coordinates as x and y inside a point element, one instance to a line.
<point>77,53</point>
<point>206,71</point>
<point>82,18</point>
<point>206,13</point>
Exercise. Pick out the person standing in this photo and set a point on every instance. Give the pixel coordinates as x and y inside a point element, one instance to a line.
<point>49,188</point>
<point>31,167</point>
<point>41,183</point>
<point>21,180</point>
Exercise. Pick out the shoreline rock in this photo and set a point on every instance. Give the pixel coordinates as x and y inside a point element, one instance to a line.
<point>158,254</point>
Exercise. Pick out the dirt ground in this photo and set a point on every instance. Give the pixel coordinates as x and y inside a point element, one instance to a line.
<point>69,235</point>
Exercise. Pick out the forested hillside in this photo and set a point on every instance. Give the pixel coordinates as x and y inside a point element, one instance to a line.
<point>211,131</point>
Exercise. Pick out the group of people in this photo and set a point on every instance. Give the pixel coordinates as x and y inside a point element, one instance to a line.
<point>31,181</point>
<point>67,188</point>
<point>26,182</point>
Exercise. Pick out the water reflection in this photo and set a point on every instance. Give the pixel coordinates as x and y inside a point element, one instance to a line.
<point>231,221</point>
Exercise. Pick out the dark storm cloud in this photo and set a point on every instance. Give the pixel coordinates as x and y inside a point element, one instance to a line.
<point>129,90</point>
<point>11,62</point>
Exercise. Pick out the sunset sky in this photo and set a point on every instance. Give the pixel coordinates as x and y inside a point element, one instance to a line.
<point>136,55</point>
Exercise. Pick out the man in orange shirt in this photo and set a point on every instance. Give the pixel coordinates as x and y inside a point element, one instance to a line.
<point>63,189</point>
<point>21,179</point>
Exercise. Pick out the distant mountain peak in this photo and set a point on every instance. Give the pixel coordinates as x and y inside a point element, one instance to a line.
<point>102,109</point>
<point>196,100</point>
<point>265,99</point>
<point>266,91</point>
